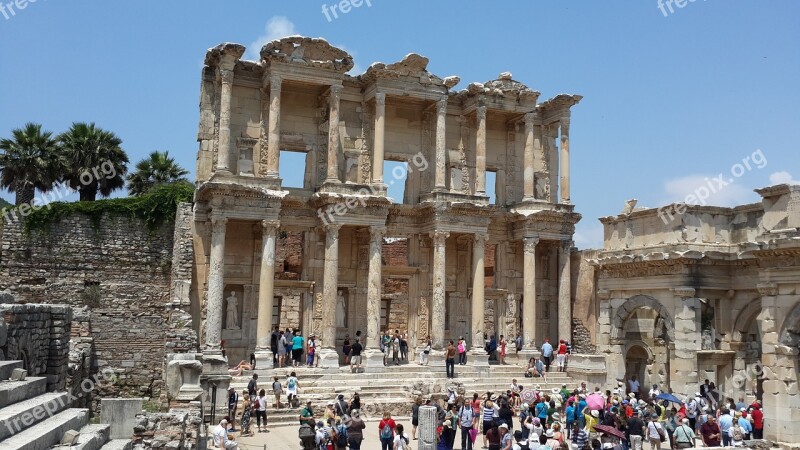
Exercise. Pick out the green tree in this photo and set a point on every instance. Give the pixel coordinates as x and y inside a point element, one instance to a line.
<point>94,160</point>
<point>156,169</point>
<point>29,161</point>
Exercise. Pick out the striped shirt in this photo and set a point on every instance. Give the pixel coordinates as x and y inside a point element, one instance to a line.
<point>488,414</point>
<point>580,438</point>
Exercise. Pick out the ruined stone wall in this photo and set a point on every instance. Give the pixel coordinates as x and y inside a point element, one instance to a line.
<point>584,303</point>
<point>177,429</point>
<point>121,273</point>
<point>38,335</point>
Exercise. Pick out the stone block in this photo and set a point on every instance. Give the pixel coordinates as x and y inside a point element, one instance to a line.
<point>70,438</point>
<point>120,413</point>
<point>19,374</point>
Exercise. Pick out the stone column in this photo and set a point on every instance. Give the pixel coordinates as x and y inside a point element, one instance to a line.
<point>274,143</point>
<point>224,147</point>
<point>372,345</point>
<point>529,292</point>
<point>528,192</point>
<point>564,292</point>
<point>441,153</point>
<point>377,150</point>
<point>688,341</point>
<point>328,357</point>
<point>266,288</point>
<point>564,160</point>
<point>439,283</point>
<point>333,135</point>
<point>478,354</point>
<point>427,428</point>
<point>216,286</point>
<point>480,152</point>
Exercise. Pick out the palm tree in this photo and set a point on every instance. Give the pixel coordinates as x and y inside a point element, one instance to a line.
<point>94,160</point>
<point>30,161</point>
<point>156,169</point>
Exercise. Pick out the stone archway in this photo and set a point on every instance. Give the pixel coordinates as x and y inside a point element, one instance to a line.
<point>790,329</point>
<point>746,340</point>
<point>637,357</point>
<point>664,322</point>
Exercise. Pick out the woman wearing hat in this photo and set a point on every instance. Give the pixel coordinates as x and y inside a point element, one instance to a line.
<point>551,441</point>
<point>506,439</point>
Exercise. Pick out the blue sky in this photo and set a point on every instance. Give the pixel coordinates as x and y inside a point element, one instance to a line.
<point>670,98</point>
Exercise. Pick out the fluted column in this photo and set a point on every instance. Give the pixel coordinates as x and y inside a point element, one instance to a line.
<point>266,289</point>
<point>478,290</point>
<point>480,152</point>
<point>330,285</point>
<point>374,287</point>
<point>333,135</point>
<point>214,303</point>
<point>274,143</point>
<point>529,291</point>
<point>224,147</point>
<point>439,279</point>
<point>441,154</point>
<point>528,188</point>
<point>564,289</point>
<point>377,146</point>
<point>564,160</point>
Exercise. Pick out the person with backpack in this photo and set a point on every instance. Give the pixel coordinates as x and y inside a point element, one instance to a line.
<point>292,384</point>
<point>341,438</point>
<point>355,428</point>
<point>520,443</point>
<point>466,421</point>
<point>277,390</point>
<point>655,433</point>
<point>736,435</point>
<point>386,430</point>
<point>462,352</point>
<point>341,408</point>
<point>400,441</point>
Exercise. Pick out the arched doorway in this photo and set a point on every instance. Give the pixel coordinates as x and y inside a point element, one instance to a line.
<point>636,360</point>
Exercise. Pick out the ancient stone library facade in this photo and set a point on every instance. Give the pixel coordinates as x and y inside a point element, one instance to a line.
<point>297,98</point>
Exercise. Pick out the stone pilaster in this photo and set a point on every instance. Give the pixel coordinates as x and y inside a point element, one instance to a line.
<point>441,154</point>
<point>480,152</point>
<point>564,292</point>
<point>528,192</point>
<point>274,134</point>
<point>224,148</point>
<point>439,279</point>
<point>529,291</point>
<point>379,136</point>
<point>374,357</point>
<point>333,134</point>
<point>216,285</point>
<point>266,288</point>
<point>688,340</point>
<point>478,354</point>
<point>328,357</point>
<point>564,160</point>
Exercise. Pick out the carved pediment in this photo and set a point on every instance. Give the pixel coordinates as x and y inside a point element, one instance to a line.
<point>412,65</point>
<point>314,52</point>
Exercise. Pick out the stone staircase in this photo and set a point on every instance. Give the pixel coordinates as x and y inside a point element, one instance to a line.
<point>392,389</point>
<point>33,419</point>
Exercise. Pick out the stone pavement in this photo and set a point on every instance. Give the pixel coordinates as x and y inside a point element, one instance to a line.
<point>284,437</point>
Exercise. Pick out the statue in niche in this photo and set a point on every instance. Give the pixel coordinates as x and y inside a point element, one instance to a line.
<point>232,318</point>
<point>340,310</point>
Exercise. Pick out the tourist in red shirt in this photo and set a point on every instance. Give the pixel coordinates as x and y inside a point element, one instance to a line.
<point>386,430</point>
<point>758,421</point>
<point>561,357</point>
<point>711,432</point>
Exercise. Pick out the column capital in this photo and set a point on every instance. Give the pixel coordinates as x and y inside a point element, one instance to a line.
<point>480,112</point>
<point>380,98</point>
<point>441,105</point>
<point>275,82</point>
<point>218,222</point>
<point>481,238</point>
<point>377,233</point>
<point>683,292</point>
<point>530,243</point>
<point>331,227</point>
<point>566,245</point>
<point>336,91</point>
<point>529,118</point>
<point>439,236</point>
<point>226,75</point>
<point>270,225</point>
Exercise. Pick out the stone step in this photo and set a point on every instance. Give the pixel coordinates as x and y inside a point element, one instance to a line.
<point>19,416</point>
<point>118,444</point>
<point>6,367</point>
<point>92,437</point>
<point>15,391</point>
<point>48,432</point>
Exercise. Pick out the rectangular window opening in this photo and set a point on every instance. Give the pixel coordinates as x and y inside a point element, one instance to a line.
<point>491,186</point>
<point>292,169</point>
<point>395,174</point>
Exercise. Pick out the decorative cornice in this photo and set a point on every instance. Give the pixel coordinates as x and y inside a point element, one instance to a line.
<point>683,291</point>
<point>767,289</point>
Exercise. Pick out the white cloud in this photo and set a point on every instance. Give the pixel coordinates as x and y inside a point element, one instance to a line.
<point>706,190</point>
<point>588,235</point>
<point>782,177</point>
<point>276,27</point>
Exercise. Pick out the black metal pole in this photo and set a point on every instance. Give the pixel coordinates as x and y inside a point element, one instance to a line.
<point>213,402</point>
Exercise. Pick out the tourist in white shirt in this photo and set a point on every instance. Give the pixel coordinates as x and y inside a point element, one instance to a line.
<point>633,384</point>
<point>654,392</point>
<point>221,439</point>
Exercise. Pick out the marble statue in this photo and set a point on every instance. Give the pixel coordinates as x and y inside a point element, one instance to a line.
<point>232,319</point>
<point>340,311</point>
